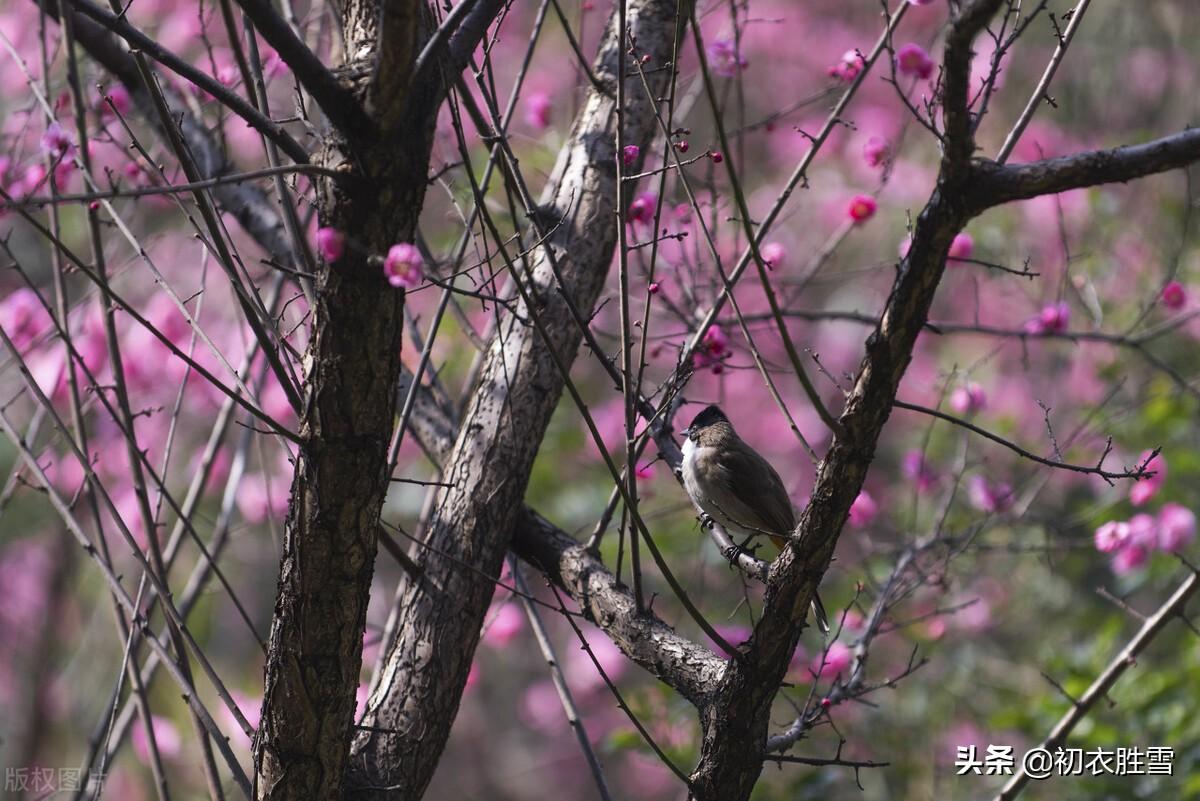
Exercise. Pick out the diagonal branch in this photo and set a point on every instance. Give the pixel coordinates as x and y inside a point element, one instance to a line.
<point>338,103</point>
<point>1127,658</point>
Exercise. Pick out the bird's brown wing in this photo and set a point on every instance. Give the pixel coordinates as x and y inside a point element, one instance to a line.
<point>746,476</point>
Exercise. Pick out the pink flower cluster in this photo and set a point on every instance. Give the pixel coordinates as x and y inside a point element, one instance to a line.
<point>1132,541</point>
<point>849,67</point>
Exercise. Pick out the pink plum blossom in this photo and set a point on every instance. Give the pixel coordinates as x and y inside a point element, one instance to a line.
<point>1174,297</point>
<point>916,468</point>
<point>629,154</point>
<point>968,399</point>
<point>713,350</point>
<point>1176,527</point>
<point>402,267</point>
<point>503,626</point>
<point>864,510</point>
<point>876,151</point>
<point>911,59</point>
<point>962,246</point>
<point>23,317</point>
<point>774,255</point>
<point>848,68</point>
<point>724,58</point>
<point>537,110</point>
<point>1112,535</point>
<point>166,738</point>
<point>987,496</point>
<point>641,210</point>
<point>1146,488</point>
<point>1129,559</point>
<point>56,143</point>
<point>331,244</point>
<point>835,661</point>
<point>862,208</point>
<point>1053,319</point>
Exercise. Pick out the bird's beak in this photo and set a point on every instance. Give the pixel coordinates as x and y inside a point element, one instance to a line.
<point>687,432</point>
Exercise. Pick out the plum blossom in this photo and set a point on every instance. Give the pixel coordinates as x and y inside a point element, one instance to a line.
<point>864,510</point>
<point>331,244</point>
<point>505,623</point>
<point>402,267</point>
<point>987,496</point>
<point>1129,559</point>
<point>56,143</point>
<point>23,317</point>
<point>862,208</point>
<point>835,661</point>
<point>849,67</point>
<point>1053,319</point>
<point>774,254</point>
<point>641,210</point>
<point>962,246</point>
<point>876,151</point>
<point>968,399</point>
<point>1176,527</point>
<point>629,154</point>
<point>913,60</point>
<point>166,738</point>
<point>724,58</point>
<point>537,110</point>
<point>713,350</point>
<point>1111,536</point>
<point>1174,297</point>
<point>916,468</point>
<point>1145,489</point>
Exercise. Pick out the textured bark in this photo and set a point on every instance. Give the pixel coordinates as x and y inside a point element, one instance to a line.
<point>341,480</point>
<point>418,694</point>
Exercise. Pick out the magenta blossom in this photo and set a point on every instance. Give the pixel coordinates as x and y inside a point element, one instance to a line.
<point>987,496</point>
<point>55,142</point>
<point>629,154</point>
<point>713,350</point>
<point>1145,489</point>
<point>331,244</point>
<point>23,317</point>
<point>916,468</point>
<point>913,60</point>
<point>968,399</point>
<point>835,661</point>
<point>862,208</point>
<point>1052,319</point>
<point>641,210</point>
<point>1129,559</point>
<point>876,151</point>
<point>1174,297</point>
<point>849,67</point>
<point>962,246</point>
<point>774,255</point>
<point>402,267</point>
<point>1176,527</point>
<point>1143,532</point>
<point>1111,536</point>
<point>724,58</point>
<point>537,110</point>
<point>864,510</point>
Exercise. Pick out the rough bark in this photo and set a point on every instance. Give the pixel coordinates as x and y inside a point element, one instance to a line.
<point>425,671</point>
<point>341,480</point>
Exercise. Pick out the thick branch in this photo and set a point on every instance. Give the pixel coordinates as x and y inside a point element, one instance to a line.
<point>517,390</point>
<point>1004,184</point>
<point>338,103</point>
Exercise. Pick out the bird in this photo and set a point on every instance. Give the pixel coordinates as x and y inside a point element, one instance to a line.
<point>732,484</point>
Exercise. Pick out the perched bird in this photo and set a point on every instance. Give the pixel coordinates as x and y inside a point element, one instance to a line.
<point>736,487</point>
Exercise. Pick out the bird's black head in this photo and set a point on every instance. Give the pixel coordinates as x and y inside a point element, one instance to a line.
<point>708,416</point>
